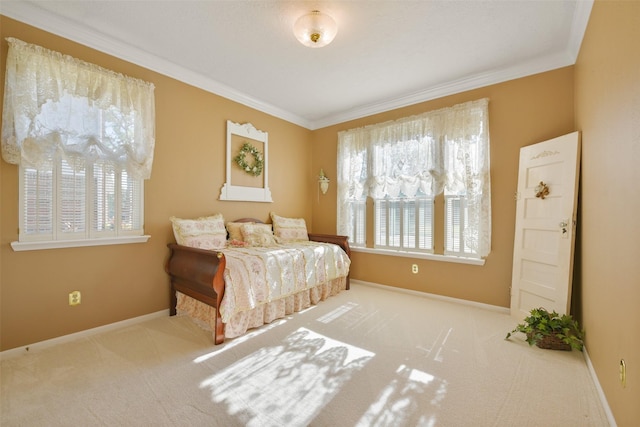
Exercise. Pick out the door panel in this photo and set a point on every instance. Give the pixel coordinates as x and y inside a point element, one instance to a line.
<point>545,227</point>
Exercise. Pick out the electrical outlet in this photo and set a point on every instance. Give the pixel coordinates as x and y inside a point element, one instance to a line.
<point>74,298</point>
<point>414,268</point>
<point>623,373</point>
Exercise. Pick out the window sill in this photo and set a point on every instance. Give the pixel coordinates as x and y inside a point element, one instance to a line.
<point>420,255</point>
<point>57,244</point>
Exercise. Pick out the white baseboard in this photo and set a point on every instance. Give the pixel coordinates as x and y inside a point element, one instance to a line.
<point>434,296</point>
<point>601,395</point>
<point>26,349</point>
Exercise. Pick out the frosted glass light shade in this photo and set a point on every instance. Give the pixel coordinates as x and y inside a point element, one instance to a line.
<point>315,29</point>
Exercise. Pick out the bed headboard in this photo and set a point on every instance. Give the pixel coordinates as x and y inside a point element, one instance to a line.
<point>249,220</point>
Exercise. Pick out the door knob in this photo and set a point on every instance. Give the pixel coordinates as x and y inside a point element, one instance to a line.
<point>563,228</point>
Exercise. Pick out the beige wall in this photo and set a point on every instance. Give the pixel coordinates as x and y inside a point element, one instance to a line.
<point>189,171</point>
<point>521,112</point>
<point>607,76</point>
<point>125,281</point>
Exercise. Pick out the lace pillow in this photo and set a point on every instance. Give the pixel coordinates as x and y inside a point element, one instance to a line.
<point>289,229</point>
<point>258,234</point>
<point>204,233</point>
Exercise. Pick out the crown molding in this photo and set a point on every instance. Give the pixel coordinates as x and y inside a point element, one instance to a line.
<point>44,20</point>
<point>476,81</point>
<point>552,62</point>
<point>35,16</point>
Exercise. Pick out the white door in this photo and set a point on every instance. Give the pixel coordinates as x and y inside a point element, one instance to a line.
<point>545,225</point>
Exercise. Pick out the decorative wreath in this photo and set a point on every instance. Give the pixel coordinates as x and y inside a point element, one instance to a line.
<point>258,161</point>
<point>542,190</point>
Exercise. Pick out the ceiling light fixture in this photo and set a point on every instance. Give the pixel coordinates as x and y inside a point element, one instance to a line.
<point>315,29</point>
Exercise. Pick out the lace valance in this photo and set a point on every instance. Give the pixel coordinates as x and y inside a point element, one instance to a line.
<point>446,148</point>
<point>55,104</point>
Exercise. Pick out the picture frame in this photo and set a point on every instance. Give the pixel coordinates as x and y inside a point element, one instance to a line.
<point>246,185</point>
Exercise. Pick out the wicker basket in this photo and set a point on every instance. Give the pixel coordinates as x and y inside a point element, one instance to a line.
<point>551,342</point>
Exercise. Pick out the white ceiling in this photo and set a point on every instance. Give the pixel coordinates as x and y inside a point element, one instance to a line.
<point>387,54</point>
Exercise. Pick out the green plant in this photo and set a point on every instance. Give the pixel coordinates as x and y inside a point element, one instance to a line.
<point>541,325</point>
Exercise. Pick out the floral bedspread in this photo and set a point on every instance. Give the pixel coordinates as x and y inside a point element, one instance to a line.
<point>258,275</point>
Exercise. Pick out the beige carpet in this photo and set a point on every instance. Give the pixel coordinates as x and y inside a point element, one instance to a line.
<point>367,357</point>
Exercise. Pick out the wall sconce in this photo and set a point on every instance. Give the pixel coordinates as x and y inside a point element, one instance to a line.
<point>323,181</point>
<point>315,29</point>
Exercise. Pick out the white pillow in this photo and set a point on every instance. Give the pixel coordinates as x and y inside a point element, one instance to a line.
<point>289,229</point>
<point>204,232</point>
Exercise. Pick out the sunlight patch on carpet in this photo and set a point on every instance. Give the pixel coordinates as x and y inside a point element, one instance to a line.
<point>288,383</point>
<point>239,340</point>
<point>338,312</point>
<point>403,399</point>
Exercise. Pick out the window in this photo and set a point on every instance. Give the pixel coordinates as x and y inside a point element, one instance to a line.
<point>88,201</point>
<point>404,166</point>
<point>83,138</point>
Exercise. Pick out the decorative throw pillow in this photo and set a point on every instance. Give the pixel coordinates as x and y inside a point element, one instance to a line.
<point>289,229</point>
<point>258,234</point>
<point>204,232</point>
<point>235,230</point>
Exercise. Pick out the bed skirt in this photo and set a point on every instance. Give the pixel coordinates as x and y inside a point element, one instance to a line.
<point>204,315</point>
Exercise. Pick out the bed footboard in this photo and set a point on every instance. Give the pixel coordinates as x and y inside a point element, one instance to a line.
<point>199,274</point>
<point>342,241</point>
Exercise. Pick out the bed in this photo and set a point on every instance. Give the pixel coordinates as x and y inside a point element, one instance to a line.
<point>232,284</point>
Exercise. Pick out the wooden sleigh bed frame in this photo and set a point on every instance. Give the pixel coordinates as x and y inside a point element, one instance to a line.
<point>199,273</point>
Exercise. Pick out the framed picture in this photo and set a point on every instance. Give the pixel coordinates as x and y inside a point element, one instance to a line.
<point>247,172</point>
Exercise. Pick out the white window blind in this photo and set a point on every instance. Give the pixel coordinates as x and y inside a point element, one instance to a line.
<point>358,212</point>
<point>131,205</point>
<point>72,196</point>
<point>456,222</point>
<point>81,202</point>
<point>404,224</point>
<point>37,191</point>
